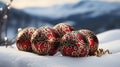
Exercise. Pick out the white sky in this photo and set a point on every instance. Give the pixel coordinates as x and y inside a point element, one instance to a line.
<point>44,3</point>
<point>39,3</point>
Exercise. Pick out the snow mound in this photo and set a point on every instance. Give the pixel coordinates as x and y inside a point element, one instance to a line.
<point>109,36</point>
<point>12,57</point>
<point>113,46</point>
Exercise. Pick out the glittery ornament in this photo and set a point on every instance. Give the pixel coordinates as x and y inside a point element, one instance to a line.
<point>23,39</point>
<point>92,39</point>
<point>44,41</point>
<point>74,44</point>
<point>63,28</point>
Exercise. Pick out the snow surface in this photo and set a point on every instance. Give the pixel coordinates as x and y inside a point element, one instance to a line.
<point>109,36</point>
<point>12,57</point>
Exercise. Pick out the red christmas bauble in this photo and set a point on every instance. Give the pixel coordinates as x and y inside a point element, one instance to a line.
<point>44,41</point>
<point>23,39</point>
<point>92,39</point>
<point>63,28</point>
<point>74,44</point>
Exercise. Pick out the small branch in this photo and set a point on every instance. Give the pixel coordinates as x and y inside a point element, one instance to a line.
<point>5,18</point>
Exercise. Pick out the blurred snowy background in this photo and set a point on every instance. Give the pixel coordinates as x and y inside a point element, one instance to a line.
<point>98,16</point>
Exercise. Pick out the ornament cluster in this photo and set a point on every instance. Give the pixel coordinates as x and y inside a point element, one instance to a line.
<point>61,38</point>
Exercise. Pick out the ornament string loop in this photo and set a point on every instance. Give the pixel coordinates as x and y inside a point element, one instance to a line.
<point>101,52</point>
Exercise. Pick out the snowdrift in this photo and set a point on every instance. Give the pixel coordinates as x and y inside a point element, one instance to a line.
<point>12,57</point>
